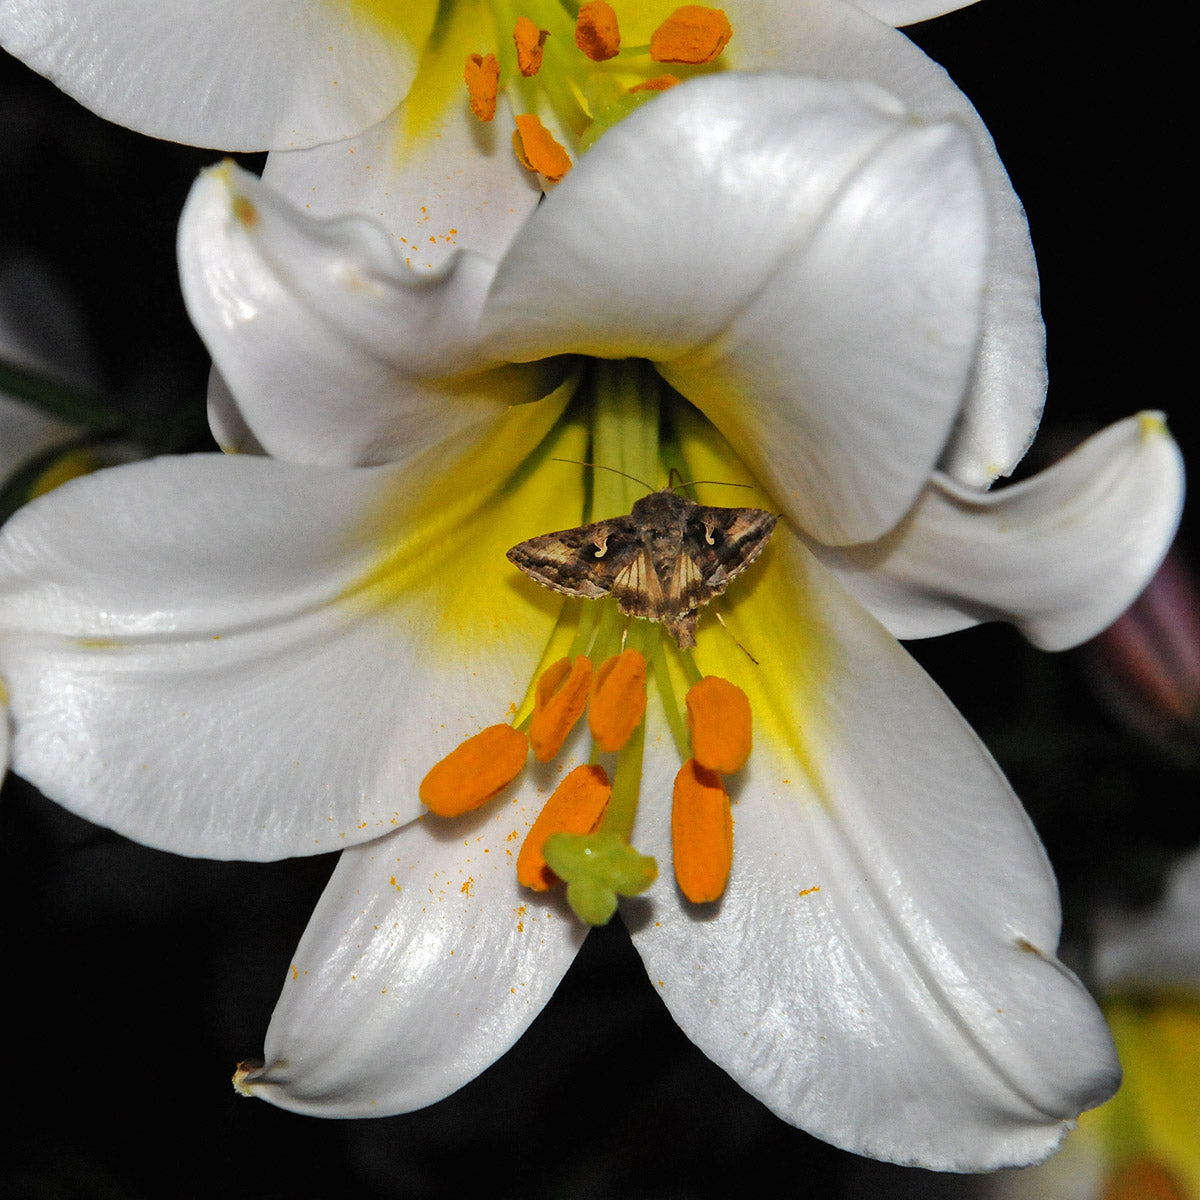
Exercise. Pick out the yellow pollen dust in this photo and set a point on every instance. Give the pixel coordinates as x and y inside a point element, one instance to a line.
<point>576,806</point>
<point>482,77</point>
<point>537,150</point>
<point>691,34</point>
<point>618,700</point>
<point>596,31</point>
<point>529,40</point>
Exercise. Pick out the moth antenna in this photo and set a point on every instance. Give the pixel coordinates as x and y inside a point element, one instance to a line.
<point>625,632</point>
<point>601,467</point>
<point>717,614</point>
<point>718,482</point>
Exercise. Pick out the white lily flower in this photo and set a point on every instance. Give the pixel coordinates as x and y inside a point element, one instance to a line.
<point>237,656</point>
<point>257,75</point>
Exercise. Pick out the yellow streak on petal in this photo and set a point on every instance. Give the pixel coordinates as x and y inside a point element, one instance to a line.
<point>768,610</point>
<point>443,527</point>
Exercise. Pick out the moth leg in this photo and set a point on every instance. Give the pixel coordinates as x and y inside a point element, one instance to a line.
<point>717,614</point>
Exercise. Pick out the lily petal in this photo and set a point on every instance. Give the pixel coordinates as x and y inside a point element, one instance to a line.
<point>835,353</point>
<point>1060,555</point>
<point>908,12</point>
<point>454,185</point>
<point>880,970</point>
<point>233,74</point>
<point>831,39</point>
<point>337,352</point>
<point>423,962</point>
<point>237,657</point>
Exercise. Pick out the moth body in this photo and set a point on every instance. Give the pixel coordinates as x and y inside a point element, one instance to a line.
<point>662,562</point>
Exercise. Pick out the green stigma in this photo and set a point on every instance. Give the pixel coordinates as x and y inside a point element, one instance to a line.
<point>598,867</point>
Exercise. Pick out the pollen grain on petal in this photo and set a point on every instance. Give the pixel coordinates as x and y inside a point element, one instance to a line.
<point>576,806</point>
<point>691,34</point>
<point>537,150</point>
<point>701,833</point>
<point>529,40</point>
<point>596,31</point>
<point>475,771</point>
<point>559,700</point>
<point>718,714</point>
<point>482,77</point>
<point>618,700</point>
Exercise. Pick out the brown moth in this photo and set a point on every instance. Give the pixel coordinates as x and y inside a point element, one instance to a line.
<point>662,562</point>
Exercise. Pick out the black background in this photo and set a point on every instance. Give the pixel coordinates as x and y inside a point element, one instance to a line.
<point>134,979</point>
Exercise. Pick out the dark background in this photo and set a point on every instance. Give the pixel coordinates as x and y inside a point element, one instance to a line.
<point>134,980</point>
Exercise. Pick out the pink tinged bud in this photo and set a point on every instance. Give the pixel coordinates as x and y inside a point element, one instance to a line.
<point>1147,662</point>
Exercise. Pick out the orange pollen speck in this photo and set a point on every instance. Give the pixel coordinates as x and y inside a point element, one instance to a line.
<point>472,773</point>
<point>537,150</point>
<point>660,83</point>
<point>701,833</point>
<point>718,715</point>
<point>482,77</point>
<point>529,40</point>
<point>577,806</point>
<point>596,31</point>
<point>691,34</point>
<point>558,702</point>
<point>618,700</point>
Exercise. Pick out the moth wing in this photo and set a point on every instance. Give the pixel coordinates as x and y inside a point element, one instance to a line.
<point>583,561</point>
<point>638,590</point>
<point>725,541</point>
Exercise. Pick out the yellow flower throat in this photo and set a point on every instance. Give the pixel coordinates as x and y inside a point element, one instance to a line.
<point>578,74</point>
<point>583,835</point>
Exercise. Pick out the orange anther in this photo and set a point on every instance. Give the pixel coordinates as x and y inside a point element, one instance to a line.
<point>596,31</point>
<point>558,702</point>
<point>537,150</point>
<point>691,34</point>
<point>618,700</point>
<point>701,833</point>
<point>482,77</point>
<point>529,40</point>
<point>472,773</point>
<point>719,717</point>
<point>660,83</point>
<point>577,805</point>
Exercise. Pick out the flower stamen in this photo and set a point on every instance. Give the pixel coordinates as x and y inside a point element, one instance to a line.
<point>529,40</point>
<point>618,700</point>
<point>596,31</point>
<point>559,699</point>
<point>701,833</point>
<point>537,150</point>
<point>691,34</point>
<point>718,715</point>
<point>576,806</point>
<point>482,77</point>
<point>475,771</point>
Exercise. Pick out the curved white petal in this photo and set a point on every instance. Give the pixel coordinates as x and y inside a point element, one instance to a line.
<point>236,657</point>
<point>423,962</point>
<point>1060,555</point>
<point>834,40</point>
<point>457,185</point>
<point>232,74</point>
<point>908,12</point>
<point>826,317</point>
<point>336,352</point>
<point>880,970</point>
